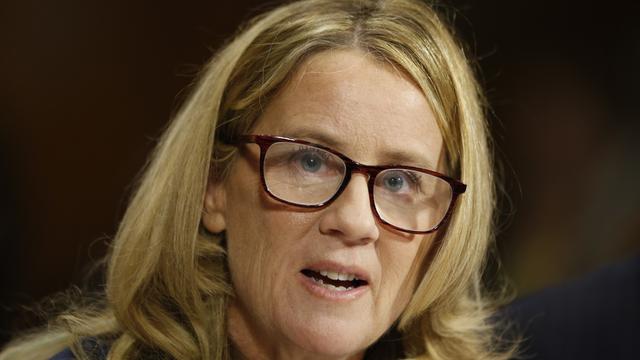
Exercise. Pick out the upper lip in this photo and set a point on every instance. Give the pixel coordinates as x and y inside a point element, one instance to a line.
<point>328,265</point>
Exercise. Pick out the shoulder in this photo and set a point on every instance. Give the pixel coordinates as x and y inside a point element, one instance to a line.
<point>94,348</point>
<point>594,317</point>
<point>65,354</point>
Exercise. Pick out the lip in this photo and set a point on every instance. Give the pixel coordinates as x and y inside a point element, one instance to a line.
<point>335,295</point>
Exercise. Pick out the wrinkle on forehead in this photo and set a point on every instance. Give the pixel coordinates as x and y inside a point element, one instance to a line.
<point>310,67</point>
<point>373,109</point>
<point>326,63</point>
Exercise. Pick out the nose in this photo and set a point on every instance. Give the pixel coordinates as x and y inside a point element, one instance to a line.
<point>350,217</point>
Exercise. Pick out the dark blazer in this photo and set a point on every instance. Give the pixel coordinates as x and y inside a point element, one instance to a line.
<point>595,317</point>
<point>95,349</point>
<point>66,354</point>
<point>388,347</point>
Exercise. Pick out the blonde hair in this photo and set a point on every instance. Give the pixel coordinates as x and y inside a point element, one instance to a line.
<point>167,281</point>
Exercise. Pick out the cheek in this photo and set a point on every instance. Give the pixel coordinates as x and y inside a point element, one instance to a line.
<point>246,227</point>
<point>401,269</point>
<point>243,236</point>
<point>258,233</point>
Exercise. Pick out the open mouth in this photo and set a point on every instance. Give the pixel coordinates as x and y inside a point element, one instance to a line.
<point>333,280</point>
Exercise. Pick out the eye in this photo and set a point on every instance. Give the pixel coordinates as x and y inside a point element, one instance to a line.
<point>396,181</point>
<point>310,162</point>
<point>302,162</point>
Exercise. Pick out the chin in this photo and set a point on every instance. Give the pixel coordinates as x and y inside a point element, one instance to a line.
<point>332,339</point>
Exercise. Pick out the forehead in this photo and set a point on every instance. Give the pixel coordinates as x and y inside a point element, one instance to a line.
<point>359,106</point>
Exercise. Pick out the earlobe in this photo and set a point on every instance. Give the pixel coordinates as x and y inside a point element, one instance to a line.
<point>213,214</point>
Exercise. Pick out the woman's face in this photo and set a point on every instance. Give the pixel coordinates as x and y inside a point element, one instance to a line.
<point>374,115</point>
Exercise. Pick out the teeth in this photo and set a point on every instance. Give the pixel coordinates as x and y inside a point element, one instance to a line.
<point>331,287</point>
<point>332,275</point>
<point>338,276</point>
<point>348,277</point>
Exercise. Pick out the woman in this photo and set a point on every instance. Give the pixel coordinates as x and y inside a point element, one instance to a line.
<point>304,203</point>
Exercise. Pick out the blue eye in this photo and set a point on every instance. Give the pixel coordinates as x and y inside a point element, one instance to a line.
<point>400,181</point>
<point>394,182</point>
<point>311,162</point>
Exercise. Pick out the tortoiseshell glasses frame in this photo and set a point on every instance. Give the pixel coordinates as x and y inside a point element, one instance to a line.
<point>351,166</point>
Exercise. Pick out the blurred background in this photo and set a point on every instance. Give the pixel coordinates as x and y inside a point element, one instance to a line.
<point>87,87</point>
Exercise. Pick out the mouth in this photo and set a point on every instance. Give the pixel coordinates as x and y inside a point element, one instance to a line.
<point>335,281</point>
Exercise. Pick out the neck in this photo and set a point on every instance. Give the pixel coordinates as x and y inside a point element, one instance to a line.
<point>248,342</point>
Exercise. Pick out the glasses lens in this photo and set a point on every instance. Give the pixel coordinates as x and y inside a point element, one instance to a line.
<point>302,174</point>
<point>411,200</point>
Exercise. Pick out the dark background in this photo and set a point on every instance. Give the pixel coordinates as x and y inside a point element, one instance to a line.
<point>87,87</point>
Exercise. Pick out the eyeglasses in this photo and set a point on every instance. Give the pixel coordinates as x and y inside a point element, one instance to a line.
<point>308,175</point>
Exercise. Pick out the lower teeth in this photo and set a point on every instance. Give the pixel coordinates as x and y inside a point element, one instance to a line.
<point>332,287</point>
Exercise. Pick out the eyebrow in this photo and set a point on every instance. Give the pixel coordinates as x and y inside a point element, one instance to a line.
<point>392,157</point>
<point>400,157</point>
<point>319,137</point>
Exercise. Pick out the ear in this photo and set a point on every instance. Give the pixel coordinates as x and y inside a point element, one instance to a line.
<point>213,214</point>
